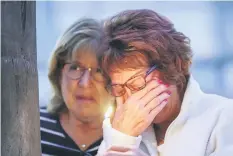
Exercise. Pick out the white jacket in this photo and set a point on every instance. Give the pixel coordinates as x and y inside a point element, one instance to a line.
<point>204,127</point>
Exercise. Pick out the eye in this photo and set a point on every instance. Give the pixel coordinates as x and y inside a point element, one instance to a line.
<point>98,70</point>
<point>75,67</point>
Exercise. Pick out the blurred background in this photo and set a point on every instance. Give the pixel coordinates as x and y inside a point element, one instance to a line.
<point>209,25</point>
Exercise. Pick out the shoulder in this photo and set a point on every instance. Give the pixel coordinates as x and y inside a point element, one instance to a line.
<point>222,130</point>
<point>49,123</point>
<point>208,106</point>
<point>47,118</point>
<point>197,102</point>
<point>196,99</point>
<point>216,102</point>
<point>225,108</point>
<point>52,135</point>
<point>217,106</point>
<point>45,113</point>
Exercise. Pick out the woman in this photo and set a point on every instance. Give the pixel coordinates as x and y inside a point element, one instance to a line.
<point>72,122</point>
<point>161,110</point>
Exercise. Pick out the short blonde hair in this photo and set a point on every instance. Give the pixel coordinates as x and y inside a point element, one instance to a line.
<point>84,33</point>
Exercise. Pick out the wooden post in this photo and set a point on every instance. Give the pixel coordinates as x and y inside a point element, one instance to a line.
<point>19,80</point>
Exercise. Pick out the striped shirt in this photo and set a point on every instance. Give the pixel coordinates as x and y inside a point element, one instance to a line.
<point>56,142</point>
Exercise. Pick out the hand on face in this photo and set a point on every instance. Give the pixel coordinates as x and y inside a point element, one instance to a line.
<point>137,112</point>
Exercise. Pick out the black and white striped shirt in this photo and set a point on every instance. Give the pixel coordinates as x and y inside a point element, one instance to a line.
<point>56,142</point>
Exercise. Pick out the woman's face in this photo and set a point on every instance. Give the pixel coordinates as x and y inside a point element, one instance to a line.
<point>121,76</point>
<point>84,97</point>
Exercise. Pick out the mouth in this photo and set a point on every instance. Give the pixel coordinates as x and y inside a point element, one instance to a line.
<point>85,99</point>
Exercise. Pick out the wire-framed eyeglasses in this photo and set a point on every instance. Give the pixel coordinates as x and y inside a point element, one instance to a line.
<point>75,71</point>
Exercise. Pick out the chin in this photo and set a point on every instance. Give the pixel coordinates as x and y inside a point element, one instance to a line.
<point>86,112</point>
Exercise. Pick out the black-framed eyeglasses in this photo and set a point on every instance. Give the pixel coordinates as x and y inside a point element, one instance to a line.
<point>75,71</point>
<point>135,83</point>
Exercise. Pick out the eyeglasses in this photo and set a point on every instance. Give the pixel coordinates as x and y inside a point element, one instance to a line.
<point>75,72</point>
<point>135,83</point>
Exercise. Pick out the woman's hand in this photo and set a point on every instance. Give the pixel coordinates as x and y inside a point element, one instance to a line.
<point>122,151</point>
<point>134,115</point>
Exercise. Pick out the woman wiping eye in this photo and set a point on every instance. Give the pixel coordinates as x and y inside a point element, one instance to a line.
<point>162,112</point>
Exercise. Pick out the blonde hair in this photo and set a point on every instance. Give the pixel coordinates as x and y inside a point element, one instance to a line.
<point>84,33</point>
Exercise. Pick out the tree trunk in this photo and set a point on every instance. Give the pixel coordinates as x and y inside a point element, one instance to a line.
<point>19,105</point>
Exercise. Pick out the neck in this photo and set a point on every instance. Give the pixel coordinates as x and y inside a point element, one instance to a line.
<point>78,129</point>
<point>81,124</point>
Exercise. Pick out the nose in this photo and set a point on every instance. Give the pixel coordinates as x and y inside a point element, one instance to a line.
<point>85,80</point>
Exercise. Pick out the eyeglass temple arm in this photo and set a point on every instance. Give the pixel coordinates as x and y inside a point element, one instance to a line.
<point>151,69</point>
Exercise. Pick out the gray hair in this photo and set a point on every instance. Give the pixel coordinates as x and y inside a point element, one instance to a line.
<point>84,33</point>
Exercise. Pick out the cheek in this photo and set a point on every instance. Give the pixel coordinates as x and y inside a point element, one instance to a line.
<point>66,87</point>
<point>173,99</point>
<point>101,92</point>
<point>104,97</point>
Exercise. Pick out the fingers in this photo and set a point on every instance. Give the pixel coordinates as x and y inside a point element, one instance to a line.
<point>141,93</point>
<point>119,101</point>
<point>135,113</point>
<point>153,94</point>
<point>150,111</point>
<point>114,153</point>
<point>157,110</point>
<point>124,151</point>
<point>156,101</point>
<point>119,149</point>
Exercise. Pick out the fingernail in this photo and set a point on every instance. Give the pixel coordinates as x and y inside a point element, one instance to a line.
<point>167,85</point>
<point>169,92</point>
<point>160,82</point>
<point>165,100</point>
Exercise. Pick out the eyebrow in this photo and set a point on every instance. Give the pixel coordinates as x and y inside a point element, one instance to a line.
<point>76,63</point>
